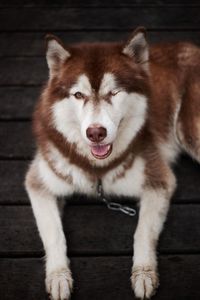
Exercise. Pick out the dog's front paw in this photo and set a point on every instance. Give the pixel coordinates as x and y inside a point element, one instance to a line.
<point>144,281</point>
<point>59,284</point>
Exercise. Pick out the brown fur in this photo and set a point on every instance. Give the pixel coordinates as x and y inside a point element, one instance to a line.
<point>127,164</point>
<point>174,75</point>
<point>32,179</point>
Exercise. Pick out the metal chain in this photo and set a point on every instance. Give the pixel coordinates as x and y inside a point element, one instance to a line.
<point>113,205</point>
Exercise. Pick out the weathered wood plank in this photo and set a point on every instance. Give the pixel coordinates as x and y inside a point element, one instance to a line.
<point>95,230</point>
<point>45,19</point>
<point>32,43</point>
<point>23,71</point>
<point>102,278</point>
<point>16,140</point>
<point>187,172</point>
<point>18,102</point>
<point>94,3</point>
<point>12,177</point>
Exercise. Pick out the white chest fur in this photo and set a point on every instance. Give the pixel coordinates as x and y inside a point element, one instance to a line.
<point>125,180</point>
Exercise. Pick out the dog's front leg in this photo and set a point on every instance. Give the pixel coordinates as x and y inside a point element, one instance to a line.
<point>46,212</point>
<point>153,211</point>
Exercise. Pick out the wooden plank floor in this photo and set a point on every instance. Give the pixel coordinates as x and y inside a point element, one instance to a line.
<point>100,241</point>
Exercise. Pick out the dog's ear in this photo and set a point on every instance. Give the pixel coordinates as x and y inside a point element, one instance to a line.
<point>137,47</point>
<point>56,53</point>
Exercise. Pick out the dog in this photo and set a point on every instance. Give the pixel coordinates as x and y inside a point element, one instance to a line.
<point>120,113</point>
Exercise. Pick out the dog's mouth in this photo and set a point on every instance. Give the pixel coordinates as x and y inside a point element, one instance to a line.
<point>101,151</point>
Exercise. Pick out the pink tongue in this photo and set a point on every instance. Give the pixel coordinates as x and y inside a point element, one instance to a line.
<point>100,150</point>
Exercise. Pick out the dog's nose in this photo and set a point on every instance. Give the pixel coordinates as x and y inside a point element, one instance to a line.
<point>96,133</point>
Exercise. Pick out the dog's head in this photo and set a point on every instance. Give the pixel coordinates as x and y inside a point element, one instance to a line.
<point>97,94</point>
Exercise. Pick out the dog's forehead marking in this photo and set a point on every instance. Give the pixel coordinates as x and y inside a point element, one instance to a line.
<point>108,83</point>
<point>82,85</point>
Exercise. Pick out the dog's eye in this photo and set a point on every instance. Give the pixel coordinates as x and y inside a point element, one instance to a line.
<point>79,95</point>
<point>114,92</point>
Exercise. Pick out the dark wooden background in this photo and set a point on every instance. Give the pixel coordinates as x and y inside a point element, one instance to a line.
<point>100,241</point>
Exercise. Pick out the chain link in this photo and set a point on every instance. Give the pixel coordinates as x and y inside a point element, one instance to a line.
<point>113,205</point>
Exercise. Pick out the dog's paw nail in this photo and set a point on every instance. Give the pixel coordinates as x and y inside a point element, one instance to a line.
<point>144,281</point>
<point>59,285</point>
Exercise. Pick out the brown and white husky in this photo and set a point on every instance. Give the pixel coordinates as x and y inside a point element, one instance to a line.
<point>119,112</point>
